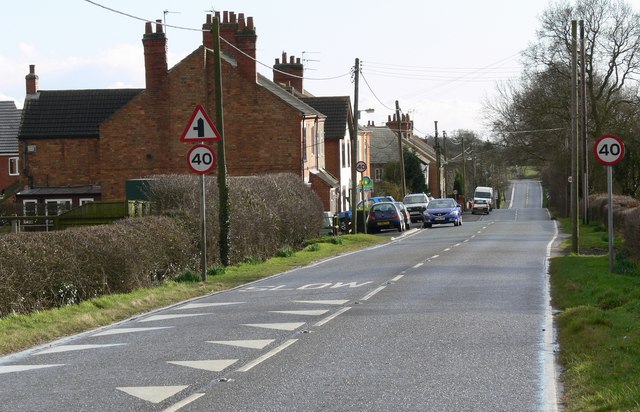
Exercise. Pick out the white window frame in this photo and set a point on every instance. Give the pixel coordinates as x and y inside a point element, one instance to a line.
<point>57,202</point>
<point>26,212</point>
<point>84,200</point>
<point>14,161</point>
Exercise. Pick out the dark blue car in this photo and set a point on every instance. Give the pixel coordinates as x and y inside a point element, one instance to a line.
<point>442,211</point>
<point>345,217</point>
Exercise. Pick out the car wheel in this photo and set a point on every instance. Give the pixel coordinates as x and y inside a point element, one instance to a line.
<point>460,222</point>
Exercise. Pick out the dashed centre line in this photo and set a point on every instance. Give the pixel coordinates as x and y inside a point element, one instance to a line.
<point>266,356</point>
<point>332,316</point>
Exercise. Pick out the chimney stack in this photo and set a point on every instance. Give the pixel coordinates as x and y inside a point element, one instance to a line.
<point>238,39</point>
<point>32,81</point>
<point>155,55</point>
<point>288,74</point>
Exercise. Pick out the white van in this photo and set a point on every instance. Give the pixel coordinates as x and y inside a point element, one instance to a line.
<point>482,200</point>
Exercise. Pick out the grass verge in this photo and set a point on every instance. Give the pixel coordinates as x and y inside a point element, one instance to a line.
<point>598,326</point>
<point>19,332</point>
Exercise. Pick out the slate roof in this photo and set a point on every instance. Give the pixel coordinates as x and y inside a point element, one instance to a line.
<point>288,97</point>
<point>9,125</point>
<point>337,110</point>
<point>71,113</point>
<point>384,145</point>
<point>61,190</point>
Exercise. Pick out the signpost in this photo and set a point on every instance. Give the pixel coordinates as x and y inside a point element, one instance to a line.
<point>361,167</point>
<point>609,150</point>
<point>201,160</point>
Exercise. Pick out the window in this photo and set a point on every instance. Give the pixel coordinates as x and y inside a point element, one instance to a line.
<point>13,166</point>
<point>55,207</point>
<point>85,200</point>
<point>304,141</point>
<point>378,175</point>
<point>29,208</point>
<point>344,153</point>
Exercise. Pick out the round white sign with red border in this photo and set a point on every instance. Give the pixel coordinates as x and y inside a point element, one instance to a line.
<point>201,159</point>
<point>609,149</point>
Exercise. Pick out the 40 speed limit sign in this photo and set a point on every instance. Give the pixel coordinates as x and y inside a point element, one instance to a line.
<point>609,149</point>
<point>201,159</point>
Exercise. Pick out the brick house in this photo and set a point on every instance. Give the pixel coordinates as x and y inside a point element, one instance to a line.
<point>385,149</point>
<point>266,129</point>
<point>9,164</point>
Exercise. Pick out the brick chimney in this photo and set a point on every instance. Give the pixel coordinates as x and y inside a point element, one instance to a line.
<point>155,55</point>
<point>32,82</point>
<point>288,74</point>
<point>238,39</point>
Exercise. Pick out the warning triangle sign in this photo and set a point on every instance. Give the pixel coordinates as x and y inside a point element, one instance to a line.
<point>200,128</point>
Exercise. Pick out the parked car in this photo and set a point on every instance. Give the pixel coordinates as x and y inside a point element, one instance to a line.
<point>442,211</point>
<point>405,213</point>
<point>384,215</point>
<point>416,203</point>
<point>345,217</point>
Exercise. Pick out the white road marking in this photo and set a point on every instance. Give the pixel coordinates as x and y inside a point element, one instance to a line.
<point>373,292</point>
<point>153,394</point>
<point>165,317</point>
<point>267,355</point>
<point>317,312</point>
<point>447,249</point>
<point>397,278</point>
<point>206,305</point>
<point>457,244</point>
<point>251,344</point>
<point>129,330</point>
<point>434,257</point>
<point>332,316</point>
<point>279,326</point>
<point>324,302</point>
<point>21,368</point>
<point>179,405</point>
<point>217,365</point>
<point>69,348</point>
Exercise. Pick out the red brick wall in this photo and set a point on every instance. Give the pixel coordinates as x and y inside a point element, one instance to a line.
<point>332,157</point>
<point>261,132</point>
<point>5,179</point>
<point>61,162</point>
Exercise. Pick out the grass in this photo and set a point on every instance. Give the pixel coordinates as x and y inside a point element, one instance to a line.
<point>19,332</point>
<point>598,326</point>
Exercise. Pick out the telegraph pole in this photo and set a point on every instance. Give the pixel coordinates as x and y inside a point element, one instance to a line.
<point>354,150</point>
<point>574,138</point>
<point>223,188</point>
<point>585,151</point>
<point>444,155</point>
<point>399,126</point>
<point>437,144</point>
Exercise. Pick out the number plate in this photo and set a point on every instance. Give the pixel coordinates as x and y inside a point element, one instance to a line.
<point>382,223</point>
<point>440,218</point>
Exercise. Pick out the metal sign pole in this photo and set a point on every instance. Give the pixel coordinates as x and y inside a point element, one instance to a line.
<point>203,230</point>
<point>610,215</point>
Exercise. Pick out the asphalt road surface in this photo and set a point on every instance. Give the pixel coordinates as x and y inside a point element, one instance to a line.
<point>441,319</point>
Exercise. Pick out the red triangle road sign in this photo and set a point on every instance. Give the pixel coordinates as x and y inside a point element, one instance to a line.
<point>200,128</point>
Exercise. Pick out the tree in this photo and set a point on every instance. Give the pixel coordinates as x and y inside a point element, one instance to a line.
<point>532,116</point>
<point>414,176</point>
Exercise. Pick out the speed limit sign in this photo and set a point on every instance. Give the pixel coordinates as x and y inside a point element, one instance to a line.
<point>201,159</point>
<point>609,149</point>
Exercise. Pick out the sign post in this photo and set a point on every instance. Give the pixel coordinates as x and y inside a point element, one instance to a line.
<point>609,150</point>
<point>361,167</point>
<point>201,160</point>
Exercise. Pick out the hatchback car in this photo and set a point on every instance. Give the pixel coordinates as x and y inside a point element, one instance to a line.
<point>345,217</point>
<point>384,215</point>
<point>442,211</point>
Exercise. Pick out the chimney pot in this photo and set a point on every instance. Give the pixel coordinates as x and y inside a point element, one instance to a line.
<point>250,25</point>
<point>32,81</point>
<point>158,26</point>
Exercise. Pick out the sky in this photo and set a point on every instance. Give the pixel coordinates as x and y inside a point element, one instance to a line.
<point>440,60</point>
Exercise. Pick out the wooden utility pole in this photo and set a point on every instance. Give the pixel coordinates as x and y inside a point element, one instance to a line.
<point>444,155</point>
<point>354,150</point>
<point>574,140</point>
<point>585,151</point>
<point>400,153</point>
<point>223,188</point>
<point>437,147</point>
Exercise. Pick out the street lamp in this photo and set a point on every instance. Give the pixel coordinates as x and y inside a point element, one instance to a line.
<point>370,110</point>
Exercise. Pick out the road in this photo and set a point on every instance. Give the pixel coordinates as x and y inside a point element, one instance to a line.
<point>442,319</point>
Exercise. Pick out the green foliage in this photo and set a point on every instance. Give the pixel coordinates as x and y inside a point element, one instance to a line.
<point>188,276</point>
<point>458,183</point>
<point>598,327</point>
<point>414,175</point>
<point>285,251</point>
<point>215,270</point>
<point>314,247</point>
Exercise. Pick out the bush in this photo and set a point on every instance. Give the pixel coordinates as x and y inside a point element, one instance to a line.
<point>267,212</point>
<point>49,269</point>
